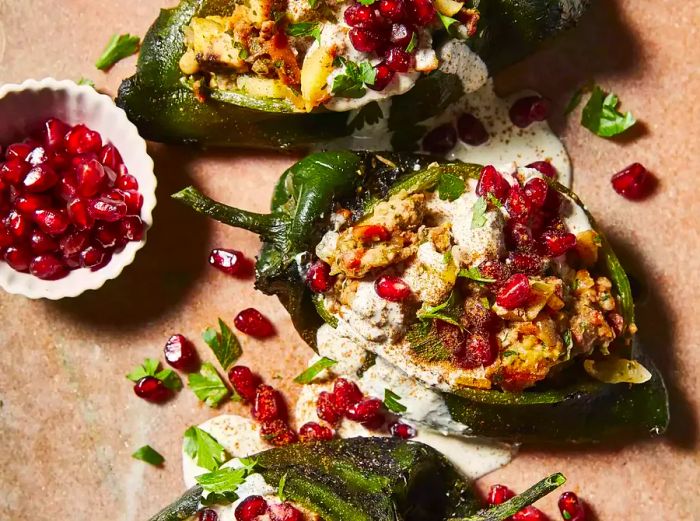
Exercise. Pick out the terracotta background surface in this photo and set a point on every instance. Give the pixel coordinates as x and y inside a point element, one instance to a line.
<point>69,420</point>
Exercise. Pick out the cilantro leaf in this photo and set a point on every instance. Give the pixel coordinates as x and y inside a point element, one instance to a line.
<point>86,81</point>
<point>222,482</point>
<point>149,455</point>
<point>449,311</point>
<point>119,47</point>
<point>150,367</point>
<point>413,43</point>
<point>391,401</point>
<point>474,274</point>
<point>450,187</point>
<point>479,213</point>
<point>225,345</point>
<point>370,114</point>
<point>170,379</point>
<point>509,353</point>
<point>351,83</point>
<point>280,487</point>
<point>204,449</point>
<point>305,29</point>
<point>447,21</point>
<point>310,373</point>
<point>207,385</point>
<point>600,115</point>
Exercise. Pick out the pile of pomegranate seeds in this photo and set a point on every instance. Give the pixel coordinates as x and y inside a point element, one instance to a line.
<point>254,506</point>
<point>231,262</point>
<point>570,507</point>
<point>66,202</point>
<point>526,111</point>
<point>634,182</point>
<point>469,129</point>
<point>251,322</point>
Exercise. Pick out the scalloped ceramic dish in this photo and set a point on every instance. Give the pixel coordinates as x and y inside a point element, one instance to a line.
<point>22,107</point>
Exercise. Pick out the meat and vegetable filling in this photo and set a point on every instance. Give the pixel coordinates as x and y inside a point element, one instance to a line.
<point>311,52</point>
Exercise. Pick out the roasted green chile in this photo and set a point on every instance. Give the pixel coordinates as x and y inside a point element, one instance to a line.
<point>165,109</point>
<point>371,479</point>
<point>580,410</point>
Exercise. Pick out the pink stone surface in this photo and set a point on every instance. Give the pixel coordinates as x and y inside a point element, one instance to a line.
<point>69,420</point>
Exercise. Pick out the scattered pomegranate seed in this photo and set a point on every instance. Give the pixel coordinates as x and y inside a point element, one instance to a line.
<point>319,277</point>
<point>40,243</point>
<point>284,512</point>
<point>494,270</point>
<point>518,205</point>
<point>18,258</point>
<point>399,60</point>
<point>357,15</point>
<point>53,222</point>
<point>440,140</point>
<point>530,513</point>
<point>106,209</point>
<point>251,322</point>
<point>383,76</point>
<point>312,431</point>
<point>250,508</point>
<point>402,430</point>
<point>571,507</point>
<point>535,190</point>
<point>557,243</point>
<point>268,404</point>
<point>13,171</point>
<point>207,514</point>
<point>326,408</point>
<point>471,130</point>
<point>401,34</point>
<point>391,288</point>
<point>39,179</point>
<point>364,40</point>
<point>393,10</point>
<point>47,267</point>
<point>499,494</point>
<point>180,354</point>
<point>365,411</point>
<point>151,389</point>
<point>479,350</point>
<point>526,111</point>
<point>231,262</point>
<point>517,236</point>
<point>278,433</point>
<point>80,140</point>
<point>345,394</point>
<point>491,181</point>
<point>421,12</point>
<point>515,292</point>
<point>545,168</point>
<point>244,382</point>
<point>634,182</point>
<point>528,263</point>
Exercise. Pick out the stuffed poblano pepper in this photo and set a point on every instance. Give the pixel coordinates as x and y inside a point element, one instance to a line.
<point>285,73</point>
<point>358,479</point>
<point>492,288</point>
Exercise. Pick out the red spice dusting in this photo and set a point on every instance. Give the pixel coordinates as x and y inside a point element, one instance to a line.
<point>268,405</point>
<point>326,408</point>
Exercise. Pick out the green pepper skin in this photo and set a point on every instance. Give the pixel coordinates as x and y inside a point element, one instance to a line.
<point>584,411</point>
<point>370,479</point>
<point>164,109</point>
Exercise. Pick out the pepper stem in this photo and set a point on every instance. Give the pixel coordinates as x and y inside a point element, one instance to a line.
<point>516,504</point>
<point>262,224</point>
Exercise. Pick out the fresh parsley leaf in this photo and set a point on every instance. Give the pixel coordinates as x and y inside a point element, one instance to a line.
<point>351,83</point>
<point>207,385</point>
<point>204,449</point>
<point>391,400</point>
<point>305,29</point>
<point>494,200</point>
<point>447,21</point>
<point>568,343</point>
<point>86,81</point>
<point>119,47</point>
<point>310,373</point>
<point>413,43</point>
<point>479,213</point>
<point>280,488</point>
<point>370,114</point>
<point>150,367</point>
<point>449,311</point>
<point>170,379</point>
<point>600,115</point>
<point>565,515</point>
<point>450,187</point>
<point>248,463</point>
<point>149,455</point>
<point>509,353</point>
<point>225,345</point>
<point>474,274</point>
<point>222,482</point>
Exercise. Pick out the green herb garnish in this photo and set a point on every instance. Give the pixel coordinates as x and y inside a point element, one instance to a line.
<point>474,274</point>
<point>151,367</point>
<point>280,487</point>
<point>600,115</point>
<point>479,213</point>
<point>310,373</point>
<point>207,385</point>
<point>87,82</point>
<point>391,401</point>
<point>351,84</point>
<point>224,344</point>
<point>449,311</point>
<point>450,187</point>
<point>204,449</point>
<point>119,47</point>
<point>413,43</point>
<point>305,29</point>
<point>149,455</point>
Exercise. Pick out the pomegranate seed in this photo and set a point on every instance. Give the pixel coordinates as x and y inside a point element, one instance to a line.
<point>80,140</point>
<point>399,60</point>
<point>106,235</point>
<point>180,353</point>
<point>382,78</point>
<point>6,237</point>
<point>109,156</point>
<point>73,243</point>
<point>40,243</point>
<point>92,256</point>
<point>37,157</point>
<point>515,292</point>
<point>499,494</point>
<point>250,508</point>
<point>545,168</point>
<point>364,411</point>
<point>421,12</point>
<point>517,204</point>
<point>278,433</point>
<point>115,194</point>
<point>106,209</point>
<point>131,228</point>
<point>47,267</point>
<point>231,262</point>
<point>345,395</point>
<point>268,404</point>
<point>440,140</point>
<point>535,190</point>
<point>207,514</point>
<point>402,430</point>
<point>401,34</point>
<point>127,182</point>
<point>391,288</point>
<point>527,263</point>
<point>134,202</point>
<point>18,224</point>
<point>285,512</point>
<point>358,15</point>
<point>479,350</point>
<point>40,178</point>
<point>372,233</point>
<point>244,381</point>
<point>557,243</point>
<point>251,322</point>
<point>53,222</point>
<point>67,187</point>
<point>55,132</point>
<point>491,181</point>
<point>79,214</point>
<point>18,257</point>
<point>18,151</point>
<point>152,389</point>
<point>91,178</point>
<point>571,507</point>
<point>365,40</point>
<point>13,171</point>
<point>528,110</point>
<point>471,130</point>
<point>392,10</point>
<point>319,277</point>
<point>326,408</point>
<point>530,513</point>
<point>517,236</point>
<point>634,182</point>
<point>29,203</point>
<point>59,160</point>
<point>312,431</point>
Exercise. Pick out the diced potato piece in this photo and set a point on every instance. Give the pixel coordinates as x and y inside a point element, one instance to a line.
<point>448,7</point>
<point>318,64</point>
<point>267,88</point>
<point>212,44</point>
<point>587,245</point>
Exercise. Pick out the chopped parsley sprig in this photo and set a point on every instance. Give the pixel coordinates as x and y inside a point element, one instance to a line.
<point>119,47</point>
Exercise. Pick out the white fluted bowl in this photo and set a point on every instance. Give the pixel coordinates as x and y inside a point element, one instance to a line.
<point>24,106</point>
